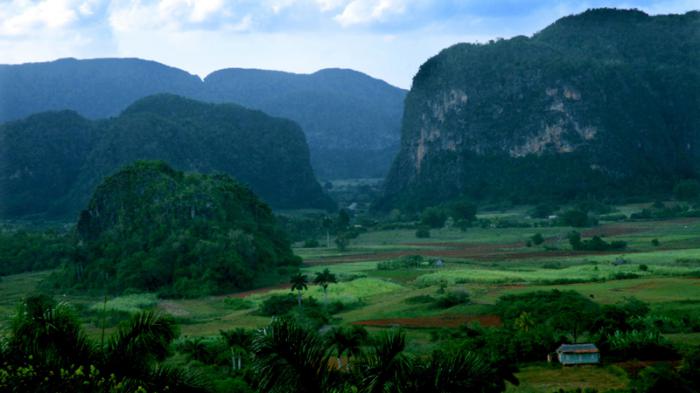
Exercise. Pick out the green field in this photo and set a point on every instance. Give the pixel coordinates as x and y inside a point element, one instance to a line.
<point>485,262</point>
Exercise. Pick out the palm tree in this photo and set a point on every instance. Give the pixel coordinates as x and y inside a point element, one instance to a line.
<point>385,367</point>
<point>239,341</point>
<point>47,334</point>
<point>455,372</point>
<point>291,359</point>
<point>299,283</point>
<point>347,341</point>
<point>323,279</point>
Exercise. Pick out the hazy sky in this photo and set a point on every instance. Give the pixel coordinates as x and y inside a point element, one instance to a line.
<point>388,39</point>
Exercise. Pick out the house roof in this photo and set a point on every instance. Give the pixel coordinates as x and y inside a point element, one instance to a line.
<point>577,348</point>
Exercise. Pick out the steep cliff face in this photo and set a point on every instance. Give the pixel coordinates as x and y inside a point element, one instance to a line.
<point>52,162</point>
<point>602,103</point>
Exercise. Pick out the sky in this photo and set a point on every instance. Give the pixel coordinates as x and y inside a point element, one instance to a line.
<point>387,39</point>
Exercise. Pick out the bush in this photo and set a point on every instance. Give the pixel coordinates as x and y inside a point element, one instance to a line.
<point>453,298</point>
<point>643,268</point>
<point>433,217</point>
<point>655,242</point>
<point>687,190</point>
<point>311,243</point>
<point>279,304</point>
<point>596,243</point>
<point>537,239</point>
<point>423,232</point>
<point>577,219</point>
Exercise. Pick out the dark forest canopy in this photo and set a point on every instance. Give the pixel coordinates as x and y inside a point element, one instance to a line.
<point>605,103</point>
<point>53,161</point>
<point>351,121</point>
<point>150,227</point>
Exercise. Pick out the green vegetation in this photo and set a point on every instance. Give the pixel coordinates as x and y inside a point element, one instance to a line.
<point>151,228</point>
<point>351,121</point>
<point>53,161</point>
<point>536,127</point>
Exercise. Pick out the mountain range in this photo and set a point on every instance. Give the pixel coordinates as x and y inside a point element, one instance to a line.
<point>52,161</point>
<point>351,121</point>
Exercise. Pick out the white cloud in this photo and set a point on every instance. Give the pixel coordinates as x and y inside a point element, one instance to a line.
<point>367,11</point>
<point>21,17</point>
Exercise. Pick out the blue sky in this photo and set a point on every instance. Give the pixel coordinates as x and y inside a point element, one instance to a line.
<point>388,39</point>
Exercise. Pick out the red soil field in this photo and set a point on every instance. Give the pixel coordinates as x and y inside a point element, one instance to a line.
<point>446,321</point>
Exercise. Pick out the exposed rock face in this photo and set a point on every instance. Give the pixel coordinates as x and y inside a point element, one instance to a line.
<point>605,103</point>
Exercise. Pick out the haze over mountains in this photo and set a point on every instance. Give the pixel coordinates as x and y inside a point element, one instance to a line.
<point>351,121</point>
<point>604,104</point>
<point>53,161</point>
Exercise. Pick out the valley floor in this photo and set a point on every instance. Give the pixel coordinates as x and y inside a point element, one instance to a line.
<point>485,262</point>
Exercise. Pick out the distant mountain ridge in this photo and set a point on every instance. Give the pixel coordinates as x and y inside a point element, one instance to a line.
<point>602,104</point>
<point>352,121</point>
<point>52,162</point>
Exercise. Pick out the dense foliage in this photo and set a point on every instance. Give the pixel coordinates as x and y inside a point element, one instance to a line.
<point>24,251</point>
<point>603,103</point>
<point>352,121</point>
<point>48,351</point>
<point>149,227</point>
<point>53,161</point>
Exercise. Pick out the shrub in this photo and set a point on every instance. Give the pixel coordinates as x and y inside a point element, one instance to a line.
<point>423,232</point>
<point>577,218</point>
<point>537,239</point>
<point>655,242</point>
<point>686,190</point>
<point>596,243</point>
<point>453,298</point>
<point>643,267</point>
<point>311,243</point>
<point>433,217</point>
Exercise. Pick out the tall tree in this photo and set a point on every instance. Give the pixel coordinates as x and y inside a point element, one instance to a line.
<point>239,342</point>
<point>299,283</point>
<point>323,279</point>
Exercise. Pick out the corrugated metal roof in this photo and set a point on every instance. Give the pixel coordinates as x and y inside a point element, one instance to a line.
<point>577,348</point>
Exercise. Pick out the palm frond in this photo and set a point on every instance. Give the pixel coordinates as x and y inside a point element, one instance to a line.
<point>292,359</point>
<point>145,338</point>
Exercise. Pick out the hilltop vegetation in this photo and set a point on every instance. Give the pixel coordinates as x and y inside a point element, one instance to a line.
<point>53,161</point>
<point>151,228</point>
<point>351,121</point>
<point>603,103</point>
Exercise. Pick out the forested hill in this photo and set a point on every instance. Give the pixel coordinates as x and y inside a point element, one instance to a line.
<point>604,103</point>
<point>352,121</point>
<point>150,227</point>
<point>52,162</point>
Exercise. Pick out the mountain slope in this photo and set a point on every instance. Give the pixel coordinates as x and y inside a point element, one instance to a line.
<point>352,121</point>
<point>269,154</point>
<point>604,103</point>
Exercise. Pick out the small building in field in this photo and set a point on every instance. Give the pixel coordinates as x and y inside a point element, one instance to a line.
<point>573,354</point>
